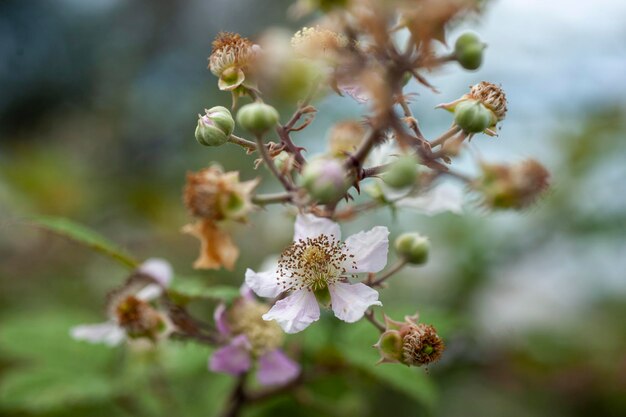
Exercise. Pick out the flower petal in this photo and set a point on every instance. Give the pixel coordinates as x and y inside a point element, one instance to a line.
<point>445,197</point>
<point>149,292</point>
<point>159,269</point>
<point>108,333</point>
<point>234,358</point>
<point>309,225</point>
<point>295,312</point>
<point>276,368</point>
<point>349,301</point>
<point>221,319</point>
<point>369,250</point>
<point>264,284</point>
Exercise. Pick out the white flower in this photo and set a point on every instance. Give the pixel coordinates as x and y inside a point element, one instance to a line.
<point>318,261</point>
<point>139,293</point>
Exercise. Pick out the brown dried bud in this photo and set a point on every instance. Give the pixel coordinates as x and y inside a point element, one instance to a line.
<point>421,344</point>
<point>490,95</point>
<point>216,195</point>
<point>512,186</point>
<point>138,318</point>
<point>409,342</point>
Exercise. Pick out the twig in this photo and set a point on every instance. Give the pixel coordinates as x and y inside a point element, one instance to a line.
<point>395,268</point>
<point>369,315</point>
<point>269,162</point>
<point>237,398</point>
<point>445,136</point>
<point>265,199</point>
<point>244,143</point>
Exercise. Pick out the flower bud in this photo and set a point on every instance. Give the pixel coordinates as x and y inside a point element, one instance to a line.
<point>409,342</point>
<point>473,117</point>
<point>402,173</point>
<point>257,118</point>
<point>325,179</point>
<point>413,247</point>
<point>215,127</point>
<point>468,51</point>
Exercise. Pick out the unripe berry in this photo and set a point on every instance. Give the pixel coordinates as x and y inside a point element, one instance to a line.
<point>215,127</point>
<point>413,247</point>
<point>468,51</point>
<point>473,117</point>
<point>257,118</point>
<point>402,172</point>
<point>325,179</point>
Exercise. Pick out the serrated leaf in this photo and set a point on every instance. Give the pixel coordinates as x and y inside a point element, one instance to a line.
<point>85,236</point>
<point>191,287</point>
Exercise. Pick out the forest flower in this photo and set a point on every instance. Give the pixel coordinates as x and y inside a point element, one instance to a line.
<point>317,265</point>
<point>249,338</point>
<point>131,313</point>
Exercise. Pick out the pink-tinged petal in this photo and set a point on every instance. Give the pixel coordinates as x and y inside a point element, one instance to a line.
<point>295,312</point>
<point>349,301</point>
<point>234,358</point>
<point>108,333</point>
<point>311,226</point>
<point>276,368</point>
<point>445,197</point>
<point>246,292</point>
<point>159,269</point>
<point>368,250</point>
<point>221,319</point>
<point>357,93</point>
<point>264,284</point>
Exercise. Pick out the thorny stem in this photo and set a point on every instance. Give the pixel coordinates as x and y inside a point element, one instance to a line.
<point>401,263</point>
<point>283,134</point>
<point>369,315</point>
<point>357,158</point>
<point>269,162</point>
<point>412,121</point>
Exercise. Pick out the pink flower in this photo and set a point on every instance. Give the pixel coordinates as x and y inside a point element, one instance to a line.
<point>248,338</point>
<point>317,265</point>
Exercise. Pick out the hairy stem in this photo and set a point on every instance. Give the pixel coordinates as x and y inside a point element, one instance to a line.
<point>269,162</point>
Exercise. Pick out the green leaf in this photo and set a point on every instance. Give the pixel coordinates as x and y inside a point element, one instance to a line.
<point>194,287</point>
<point>83,235</point>
<point>52,372</point>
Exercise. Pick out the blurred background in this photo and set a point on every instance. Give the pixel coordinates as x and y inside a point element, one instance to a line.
<point>98,104</point>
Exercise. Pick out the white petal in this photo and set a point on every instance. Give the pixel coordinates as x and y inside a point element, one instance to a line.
<point>309,225</point>
<point>349,301</point>
<point>295,312</point>
<point>150,292</point>
<point>445,197</point>
<point>369,250</point>
<point>108,333</point>
<point>264,284</point>
<point>159,269</point>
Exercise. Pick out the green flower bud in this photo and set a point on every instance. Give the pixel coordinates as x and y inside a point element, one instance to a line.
<point>468,51</point>
<point>473,117</point>
<point>257,118</point>
<point>402,172</point>
<point>215,127</point>
<point>413,247</point>
<point>326,180</point>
